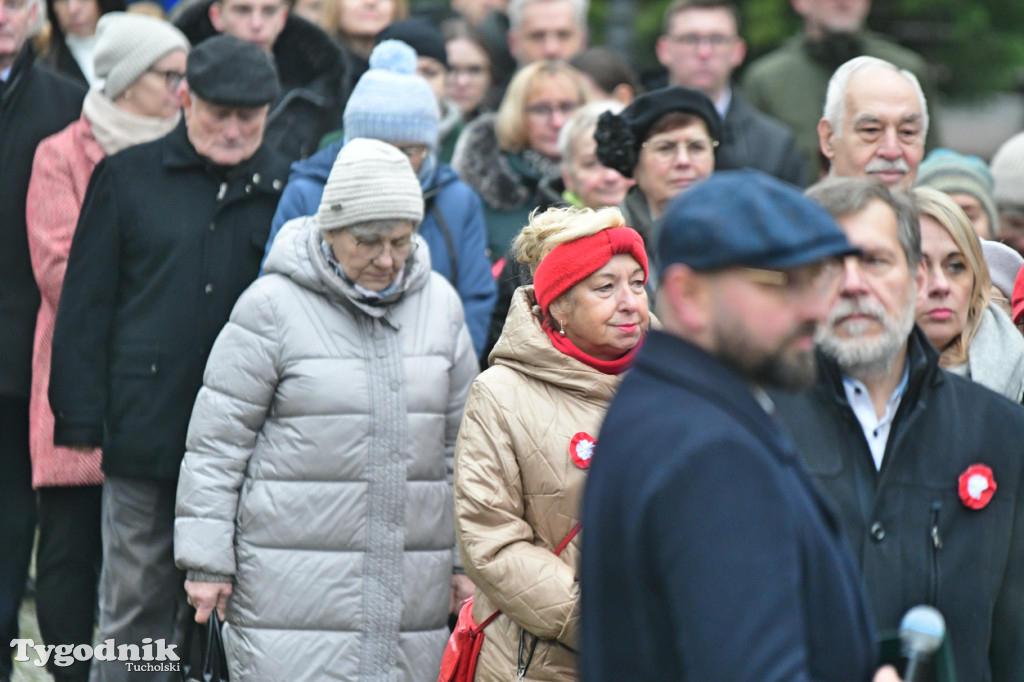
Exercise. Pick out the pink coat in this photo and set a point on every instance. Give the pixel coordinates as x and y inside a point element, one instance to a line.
<point>60,174</point>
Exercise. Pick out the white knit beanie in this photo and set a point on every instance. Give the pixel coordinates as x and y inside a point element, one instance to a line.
<point>390,102</point>
<point>1008,172</point>
<point>370,180</point>
<point>129,44</point>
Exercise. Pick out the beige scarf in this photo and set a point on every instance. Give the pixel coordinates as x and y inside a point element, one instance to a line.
<point>114,128</point>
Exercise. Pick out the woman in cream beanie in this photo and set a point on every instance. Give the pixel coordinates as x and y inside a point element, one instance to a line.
<point>314,506</point>
<point>142,59</point>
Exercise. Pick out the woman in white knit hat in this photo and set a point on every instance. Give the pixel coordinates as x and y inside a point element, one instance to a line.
<point>314,503</point>
<point>142,60</point>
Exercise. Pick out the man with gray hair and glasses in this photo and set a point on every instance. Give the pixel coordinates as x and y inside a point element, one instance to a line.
<point>34,104</point>
<point>922,465</point>
<point>875,122</point>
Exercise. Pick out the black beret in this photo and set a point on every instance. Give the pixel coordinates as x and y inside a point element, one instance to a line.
<point>619,136</point>
<point>746,217</point>
<point>420,35</point>
<point>231,72</point>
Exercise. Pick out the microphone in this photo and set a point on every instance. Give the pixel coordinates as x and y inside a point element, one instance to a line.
<point>921,633</point>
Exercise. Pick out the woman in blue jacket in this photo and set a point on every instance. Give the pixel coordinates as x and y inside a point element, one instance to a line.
<point>453,220</point>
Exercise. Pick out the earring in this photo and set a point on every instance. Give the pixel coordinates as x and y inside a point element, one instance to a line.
<point>561,328</point>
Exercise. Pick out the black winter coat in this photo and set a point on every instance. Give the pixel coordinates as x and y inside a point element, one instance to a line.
<point>164,246</point>
<point>311,71</point>
<point>708,553</point>
<point>34,104</point>
<point>916,540</point>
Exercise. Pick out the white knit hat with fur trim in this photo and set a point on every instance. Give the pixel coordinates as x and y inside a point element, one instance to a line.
<point>370,180</point>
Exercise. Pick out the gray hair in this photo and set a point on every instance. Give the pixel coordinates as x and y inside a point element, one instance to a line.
<point>515,11</point>
<point>584,119</point>
<point>835,96</point>
<point>842,196</point>
<point>374,229</point>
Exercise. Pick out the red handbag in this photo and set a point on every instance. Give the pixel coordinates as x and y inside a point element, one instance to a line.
<point>458,664</point>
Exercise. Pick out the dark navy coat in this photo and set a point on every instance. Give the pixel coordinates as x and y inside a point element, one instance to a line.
<point>708,554</point>
<point>164,246</point>
<point>916,540</point>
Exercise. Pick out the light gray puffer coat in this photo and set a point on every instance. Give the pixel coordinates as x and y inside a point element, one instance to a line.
<point>318,471</point>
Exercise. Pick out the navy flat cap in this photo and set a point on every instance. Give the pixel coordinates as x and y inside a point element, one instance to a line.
<point>747,218</point>
<point>231,72</point>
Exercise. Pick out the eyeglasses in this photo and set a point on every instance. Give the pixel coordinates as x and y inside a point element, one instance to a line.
<point>694,40</point>
<point>172,79</point>
<point>546,111</point>
<point>820,278</point>
<point>414,152</point>
<point>370,249</point>
<point>668,150</point>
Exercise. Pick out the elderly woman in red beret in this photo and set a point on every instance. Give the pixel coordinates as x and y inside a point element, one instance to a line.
<point>529,428</point>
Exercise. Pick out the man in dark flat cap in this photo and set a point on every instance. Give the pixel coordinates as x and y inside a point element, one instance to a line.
<point>171,233</point>
<point>708,553</point>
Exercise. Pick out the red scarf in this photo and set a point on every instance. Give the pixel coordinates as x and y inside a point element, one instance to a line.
<point>563,344</point>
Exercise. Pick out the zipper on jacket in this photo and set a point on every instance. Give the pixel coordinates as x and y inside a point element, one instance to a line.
<point>936,546</point>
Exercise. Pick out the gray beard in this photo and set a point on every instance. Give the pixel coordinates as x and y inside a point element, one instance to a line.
<point>864,357</point>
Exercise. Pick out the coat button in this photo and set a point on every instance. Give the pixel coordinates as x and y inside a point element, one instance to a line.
<point>208,288</point>
<point>877,531</point>
<point>213,226</point>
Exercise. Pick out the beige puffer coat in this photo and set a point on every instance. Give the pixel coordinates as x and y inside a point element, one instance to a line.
<point>518,494</point>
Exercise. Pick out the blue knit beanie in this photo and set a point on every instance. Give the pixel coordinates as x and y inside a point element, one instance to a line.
<point>390,102</point>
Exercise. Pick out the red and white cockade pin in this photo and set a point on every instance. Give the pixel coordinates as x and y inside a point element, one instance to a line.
<point>977,486</point>
<point>581,449</point>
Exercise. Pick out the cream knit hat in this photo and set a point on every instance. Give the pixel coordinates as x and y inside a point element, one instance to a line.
<point>129,44</point>
<point>370,180</point>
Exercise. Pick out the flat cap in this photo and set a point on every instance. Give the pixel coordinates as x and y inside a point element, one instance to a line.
<point>620,136</point>
<point>747,218</point>
<point>231,72</point>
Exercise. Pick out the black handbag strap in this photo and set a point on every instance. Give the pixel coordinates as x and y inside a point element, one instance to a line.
<point>209,663</point>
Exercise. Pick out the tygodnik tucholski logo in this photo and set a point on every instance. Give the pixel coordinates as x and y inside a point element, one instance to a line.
<point>152,656</point>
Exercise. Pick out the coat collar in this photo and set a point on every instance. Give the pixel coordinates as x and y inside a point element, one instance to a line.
<point>19,72</point>
<point>922,363</point>
<point>682,363</point>
<point>178,153</point>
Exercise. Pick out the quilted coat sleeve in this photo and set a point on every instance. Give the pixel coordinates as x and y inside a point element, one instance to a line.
<point>238,387</point>
<point>529,583</point>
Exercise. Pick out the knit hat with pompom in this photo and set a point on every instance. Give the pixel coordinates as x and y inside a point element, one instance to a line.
<point>390,102</point>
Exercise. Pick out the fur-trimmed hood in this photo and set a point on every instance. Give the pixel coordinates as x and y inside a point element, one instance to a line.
<point>505,182</point>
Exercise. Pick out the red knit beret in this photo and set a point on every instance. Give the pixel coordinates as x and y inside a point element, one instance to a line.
<point>570,263</point>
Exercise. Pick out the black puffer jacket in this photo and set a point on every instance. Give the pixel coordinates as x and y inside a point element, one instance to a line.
<point>916,540</point>
<point>312,74</point>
